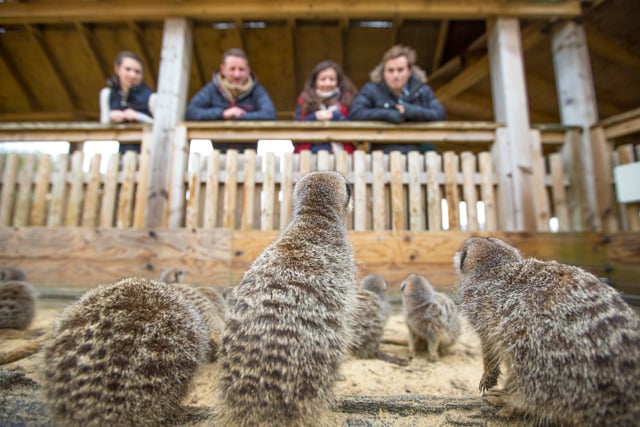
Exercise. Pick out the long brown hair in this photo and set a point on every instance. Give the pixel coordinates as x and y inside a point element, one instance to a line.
<point>310,99</point>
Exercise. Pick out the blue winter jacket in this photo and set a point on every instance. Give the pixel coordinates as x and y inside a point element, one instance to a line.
<point>376,102</point>
<point>210,102</point>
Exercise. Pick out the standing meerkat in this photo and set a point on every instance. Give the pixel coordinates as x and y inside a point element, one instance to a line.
<point>287,331</point>
<point>569,343</point>
<point>369,316</point>
<point>209,303</point>
<point>123,354</point>
<point>432,318</point>
<point>17,299</point>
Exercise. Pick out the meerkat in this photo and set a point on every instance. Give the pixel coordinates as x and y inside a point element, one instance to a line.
<point>569,343</point>
<point>287,331</point>
<point>209,303</point>
<point>123,354</point>
<point>17,299</point>
<point>432,318</point>
<point>369,316</point>
<point>173,275</point>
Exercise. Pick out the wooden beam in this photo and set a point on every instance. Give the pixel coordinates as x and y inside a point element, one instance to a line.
<point>609,49</point>
<point>119,10</point>
<point>478,70</point>
<point>141,46</point>
<point>24,86</point>
<point>89,40</point>
<point>177,42</point>
<point>512,151</point>
<point>43,49</point>
<point>441,42</point>
<point>577,100</point>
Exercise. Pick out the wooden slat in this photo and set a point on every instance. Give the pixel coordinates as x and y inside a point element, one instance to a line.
<point>194,180</point>
<point>603,180</point>
<point>488,191</point>
<point>450,160</point>
<point>108,208</point>
<point>342,165</point>
<point>43,181</point>
<point>23,197</point>
<point>416,193</point>
<point>91,196</point>
<point>58,192</point>
<point>230,189</point>
<point>469,192</point>
<point>176,196</point>
<point>248,190</point>
<point>541,197</point>
<point>625,156</point>
<point>9,179</point>
<point>143,178</point>
<point>433,163</point>
<point>359,191</point>
<point>126,195</point>
<point>378,191</point>
<point>76,191</point>
<point>558,192</point>
<point>211,190</point>
<point>268,193</point>
<point>398,210</point>
<point>286,189</point>
<point>305,162</point>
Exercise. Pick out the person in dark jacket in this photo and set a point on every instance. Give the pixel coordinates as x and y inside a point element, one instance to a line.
<point>397,93</point>
<point>126,98</point>
<point>233,94</point>
<point>327,96</point>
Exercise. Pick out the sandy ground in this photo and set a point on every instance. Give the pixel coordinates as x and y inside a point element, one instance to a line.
<point>455,375</point>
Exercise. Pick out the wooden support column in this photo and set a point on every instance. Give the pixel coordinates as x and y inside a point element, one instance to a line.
<point>173,80</point>
<point>577,101</point>
<point>512,149</point>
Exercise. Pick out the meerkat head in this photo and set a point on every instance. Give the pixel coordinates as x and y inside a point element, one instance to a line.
<point>374,283</point>
<point>415,284</point>
<point>322,191</point>
<point>12,273</point>
<point>479,254</point>
<point>173,275</point>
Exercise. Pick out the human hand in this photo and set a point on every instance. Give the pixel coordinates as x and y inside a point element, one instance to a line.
<point>130,115</point>
<point>324,115</point>
<point>116,116</point>
<point>233,112</point>
<point>400,108</point>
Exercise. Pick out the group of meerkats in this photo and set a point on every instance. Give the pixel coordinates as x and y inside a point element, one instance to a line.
<point>126,353</point>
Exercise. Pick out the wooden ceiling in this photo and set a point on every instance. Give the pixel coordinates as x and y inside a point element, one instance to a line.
<point>55,55</point>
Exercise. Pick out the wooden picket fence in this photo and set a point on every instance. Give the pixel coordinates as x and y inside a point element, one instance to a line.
<point>250,192</point>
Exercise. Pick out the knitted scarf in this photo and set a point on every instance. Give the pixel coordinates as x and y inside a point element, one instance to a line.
<point>234,91</point>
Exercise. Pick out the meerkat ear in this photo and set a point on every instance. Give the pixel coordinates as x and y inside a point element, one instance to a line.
<point>462,257</point>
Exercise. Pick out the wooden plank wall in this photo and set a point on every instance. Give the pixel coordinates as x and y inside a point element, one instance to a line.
<point>76,258</point>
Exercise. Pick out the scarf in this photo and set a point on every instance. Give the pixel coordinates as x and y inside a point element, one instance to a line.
<point>234,91</point>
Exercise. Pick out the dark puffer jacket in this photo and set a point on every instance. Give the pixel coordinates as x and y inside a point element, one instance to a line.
<point>376,102</point>
<point>210,102</point>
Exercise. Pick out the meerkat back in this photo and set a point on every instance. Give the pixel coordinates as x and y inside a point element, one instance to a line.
<point>17,299</point>
<point>287,333</point>
<point>123,354</point>
<point>432,318</point>
<point>570,343</point>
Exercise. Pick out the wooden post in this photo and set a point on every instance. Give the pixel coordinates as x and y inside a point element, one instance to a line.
<point>512,153</point>
<point>577,101</point>
<point>173,81</point>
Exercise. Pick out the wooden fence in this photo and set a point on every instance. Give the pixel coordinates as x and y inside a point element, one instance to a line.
<point>434,191</point>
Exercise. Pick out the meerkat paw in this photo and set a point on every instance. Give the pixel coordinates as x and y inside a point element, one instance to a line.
<point>488,381</point>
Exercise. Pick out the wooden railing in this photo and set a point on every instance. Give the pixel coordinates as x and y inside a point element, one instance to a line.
<point>250,192</point>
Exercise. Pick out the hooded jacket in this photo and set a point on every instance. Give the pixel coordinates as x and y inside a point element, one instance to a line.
<point>377,102</point>
<point>211,101</point>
